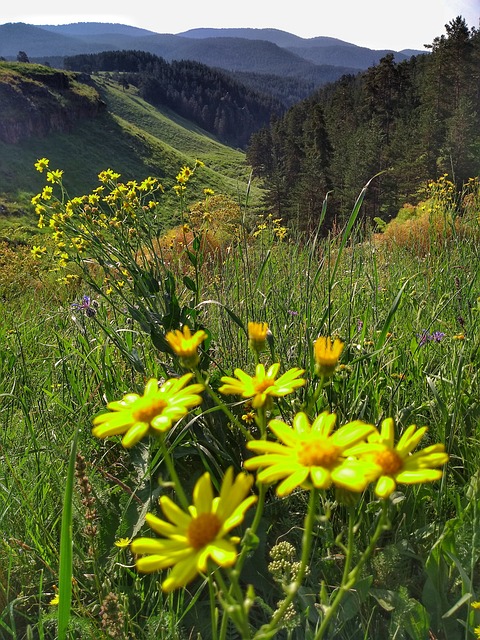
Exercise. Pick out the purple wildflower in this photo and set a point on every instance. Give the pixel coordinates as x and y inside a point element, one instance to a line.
<point>88,306</point>
<point>424,337</point>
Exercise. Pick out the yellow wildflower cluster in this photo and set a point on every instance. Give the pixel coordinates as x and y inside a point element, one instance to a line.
<point>306,454</point>
<point>76,224</point>
<point>271,226</point>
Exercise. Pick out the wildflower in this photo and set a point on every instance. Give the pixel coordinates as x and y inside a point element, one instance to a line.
<point>88,306</point>
<point>326,353</point>
<point>423,338</point>
<point>42,164</point>
<point>249,417</point>
<point>154,412</point>
<point>122,543</point>
<point>185,345</point>
<point>311,455</point>
<point>475,605</point>
<point>37,252</point>
<point>459,336</point>
<point>263,386</point>
<point>191,538</point>
<point>257,335</point>
<point>397,464</point>
<point>54,176</point>
<point>55,600</point>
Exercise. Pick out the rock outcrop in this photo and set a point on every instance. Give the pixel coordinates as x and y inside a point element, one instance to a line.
<point>38,101</point>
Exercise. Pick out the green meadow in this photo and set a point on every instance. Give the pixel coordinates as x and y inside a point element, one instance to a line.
<point>213,426</point>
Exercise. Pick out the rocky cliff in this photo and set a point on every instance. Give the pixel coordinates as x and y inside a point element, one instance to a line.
<point>36,101</point>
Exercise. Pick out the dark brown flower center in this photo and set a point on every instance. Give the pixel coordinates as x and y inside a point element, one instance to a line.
<point>203,529</point>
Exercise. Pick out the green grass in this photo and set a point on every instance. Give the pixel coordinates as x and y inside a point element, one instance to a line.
<point>59,367</point>
<point>132,138</point>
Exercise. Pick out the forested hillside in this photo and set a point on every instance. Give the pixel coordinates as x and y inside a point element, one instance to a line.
<point>411,121</point>
<point>206,96</point>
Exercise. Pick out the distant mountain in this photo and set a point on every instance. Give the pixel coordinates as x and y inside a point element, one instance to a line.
<point>322,50</point>
<point>260,51</point>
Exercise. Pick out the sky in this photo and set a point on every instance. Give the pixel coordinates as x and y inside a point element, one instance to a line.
<point>376,24</point>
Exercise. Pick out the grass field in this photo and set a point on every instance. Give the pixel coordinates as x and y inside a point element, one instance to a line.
<point>329,556</point>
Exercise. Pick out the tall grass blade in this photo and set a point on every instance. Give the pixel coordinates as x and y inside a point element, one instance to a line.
<point>66,547</point>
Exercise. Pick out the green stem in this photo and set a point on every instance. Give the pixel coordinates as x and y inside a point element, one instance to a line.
<point>213,608</point>
<point>251,531</point>
<point>312,404</point>
<point>269,630</point>
<point>222,406</point>
<point>349,579</point>
<point>173,474</point>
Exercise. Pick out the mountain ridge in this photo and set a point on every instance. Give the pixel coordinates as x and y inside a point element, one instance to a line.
<point>233,47</point>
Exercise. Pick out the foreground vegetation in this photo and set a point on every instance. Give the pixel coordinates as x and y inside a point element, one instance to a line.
<point>94,311</point>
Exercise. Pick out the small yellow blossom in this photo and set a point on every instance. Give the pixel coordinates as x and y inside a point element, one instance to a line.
<point>263,386</point>
<point>249,417</point>
<point>185,345</point>
<point>54,176</point>
<point>122,543</point>
<point>257,335</point>
<point>41,164</point>
<point>326,352</point>
<point>37,252</point>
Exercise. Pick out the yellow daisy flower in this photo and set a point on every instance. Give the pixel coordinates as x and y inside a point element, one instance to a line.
<point>310,454</point>
<point>327,353</point>
<point>154,412</point>
<point>42,164</point>
<point>263,385</point>
<point>122,543</point>
<point>185,345</point>
<point>257,335</point>
<point>191,538</point>
<point>37,252</point>
<point>397,464</point>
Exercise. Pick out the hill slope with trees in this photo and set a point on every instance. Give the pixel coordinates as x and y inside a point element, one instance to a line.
<point>408,121</point>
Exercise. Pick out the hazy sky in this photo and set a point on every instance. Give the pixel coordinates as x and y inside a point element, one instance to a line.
<point>377,24</point>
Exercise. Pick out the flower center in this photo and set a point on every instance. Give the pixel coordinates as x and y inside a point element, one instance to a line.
<point>390,461</point>
<point>203,529</point>
<point>263,385</point>
<point>318,453</point>
<point>149,411</point>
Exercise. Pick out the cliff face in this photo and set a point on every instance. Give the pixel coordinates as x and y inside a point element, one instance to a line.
<point>38,101</point>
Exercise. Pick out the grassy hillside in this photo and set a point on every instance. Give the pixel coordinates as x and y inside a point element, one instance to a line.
<point>132,138</point>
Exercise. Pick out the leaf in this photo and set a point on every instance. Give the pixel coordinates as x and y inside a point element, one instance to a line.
<point>190,284</point>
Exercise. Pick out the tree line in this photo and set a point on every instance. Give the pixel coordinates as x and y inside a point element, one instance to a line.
<point>404,123</point>
<point>206,96</point>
